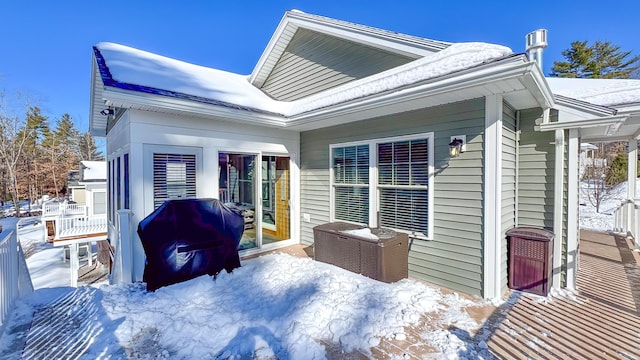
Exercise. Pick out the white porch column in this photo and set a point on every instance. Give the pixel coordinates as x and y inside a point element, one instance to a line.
<point>74,264</point>
<point>558,195</point>
<point>125,245</point>
<point>573,228</point>
<point>632,168</point>
<point>493,237</point>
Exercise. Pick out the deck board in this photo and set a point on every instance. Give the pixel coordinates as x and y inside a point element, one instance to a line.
<point>600,321</point>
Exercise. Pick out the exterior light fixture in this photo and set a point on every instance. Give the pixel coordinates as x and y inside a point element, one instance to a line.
<point>457,145</point>
<point>107,112</point>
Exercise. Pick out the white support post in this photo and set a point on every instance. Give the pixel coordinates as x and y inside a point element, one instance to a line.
<point>125,248</point>
<point>558,196</point>
<point>74,264</point>
<point>632,168</point>
<point>573,233</point>
<point>493,236</point>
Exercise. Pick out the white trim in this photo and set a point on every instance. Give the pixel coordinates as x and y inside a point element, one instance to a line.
<point>573,234</point>
<point>586,123</point>
<point>373,177</point>
<point>493,236</point>
<point>558,196</point>
<point>632,171</point>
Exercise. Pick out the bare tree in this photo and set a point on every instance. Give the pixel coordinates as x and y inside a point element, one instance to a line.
<point>13,137</point>
<point>596,166</point>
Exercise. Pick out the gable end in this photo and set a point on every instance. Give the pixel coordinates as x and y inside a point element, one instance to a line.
<point>313,62</point>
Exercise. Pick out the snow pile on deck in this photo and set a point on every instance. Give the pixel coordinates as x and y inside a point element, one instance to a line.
<point>597,91</point>
<point>274,306</point>
<point>133,66</point>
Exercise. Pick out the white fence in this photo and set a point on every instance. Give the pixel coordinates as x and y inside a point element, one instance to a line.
<point>627,219</point>
<point>64,209</point>
<point>14,275</point>
<point>80,225</point>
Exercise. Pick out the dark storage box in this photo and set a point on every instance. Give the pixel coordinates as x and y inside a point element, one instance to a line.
<point>385,259</point>
<point>530,259</point>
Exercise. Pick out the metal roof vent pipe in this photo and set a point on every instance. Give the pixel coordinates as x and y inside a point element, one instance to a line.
<point>536,42</point>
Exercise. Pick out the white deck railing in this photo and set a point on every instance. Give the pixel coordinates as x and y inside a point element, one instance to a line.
<point>80,225</point>
<point>63,209</point>
<point>14,275</point>
<point>626,219</point>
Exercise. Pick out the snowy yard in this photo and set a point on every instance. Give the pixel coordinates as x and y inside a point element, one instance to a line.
<point>274,306</point>
<point>603,220</point>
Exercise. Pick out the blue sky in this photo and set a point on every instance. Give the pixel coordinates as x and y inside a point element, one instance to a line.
<point>45,46</point>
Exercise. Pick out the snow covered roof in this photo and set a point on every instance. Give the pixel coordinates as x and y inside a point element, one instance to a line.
<point>125,77</point>
<point>608,92</point>
<point>94,170</point>
<point>132,69</point>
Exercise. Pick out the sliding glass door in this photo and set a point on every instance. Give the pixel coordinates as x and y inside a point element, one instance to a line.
<point>276,221</point>
<point>243,179</point>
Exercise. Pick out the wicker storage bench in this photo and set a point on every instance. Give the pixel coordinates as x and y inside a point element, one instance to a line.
<point>384,259</point>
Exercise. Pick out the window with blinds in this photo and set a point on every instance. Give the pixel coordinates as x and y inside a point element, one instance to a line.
<point>174,177</point>
<point>351,183</point>
<point>403,173</point>
<point>403,178</point>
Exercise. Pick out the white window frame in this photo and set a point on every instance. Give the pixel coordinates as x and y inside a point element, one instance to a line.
<point>149,150</point>
<point>374,195</point>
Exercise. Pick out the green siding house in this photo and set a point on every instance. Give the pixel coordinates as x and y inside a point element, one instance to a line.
<point>345,122</point>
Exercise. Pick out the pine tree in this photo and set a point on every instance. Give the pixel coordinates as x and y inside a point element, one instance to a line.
<point>617,172</point>
<point>87,149</point>
<point>602,60</point>
<point>62,148</point>
<point>36,128</point>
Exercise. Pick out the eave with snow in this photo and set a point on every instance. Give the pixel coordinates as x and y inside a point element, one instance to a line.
<point>323,86</point>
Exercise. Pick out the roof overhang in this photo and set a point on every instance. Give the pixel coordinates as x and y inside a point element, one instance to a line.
<point>402,44</point>
<point>97,121</point>
<point>519,81</point>
<point>596,123</point>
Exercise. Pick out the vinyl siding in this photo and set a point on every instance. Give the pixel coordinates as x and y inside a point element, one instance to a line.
<point>453,258</point>
<point>313,62</point>
<point>509,154</point>
<point>536,161</point>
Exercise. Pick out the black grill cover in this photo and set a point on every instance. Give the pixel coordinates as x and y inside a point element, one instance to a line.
<point>184,239</point>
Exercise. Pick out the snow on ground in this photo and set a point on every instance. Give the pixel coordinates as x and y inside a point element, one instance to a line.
<point>274,306</point>
<point>603,220</point>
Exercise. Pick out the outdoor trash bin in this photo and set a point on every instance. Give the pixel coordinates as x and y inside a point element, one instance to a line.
<point>530,259</point>
<point>384,259</point>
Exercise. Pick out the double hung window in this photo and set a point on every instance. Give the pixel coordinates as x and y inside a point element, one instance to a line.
<point>385,182</point>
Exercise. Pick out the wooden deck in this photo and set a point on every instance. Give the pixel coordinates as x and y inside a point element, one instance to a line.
<point>600,321</point>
